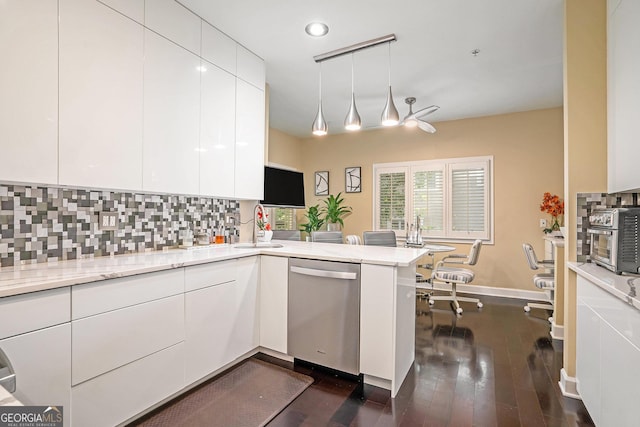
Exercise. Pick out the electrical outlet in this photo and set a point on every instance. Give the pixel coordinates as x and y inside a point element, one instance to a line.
<point>543,223</point>
<point>108,221</point>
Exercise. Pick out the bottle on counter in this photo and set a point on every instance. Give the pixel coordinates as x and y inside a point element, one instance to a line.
<point>220,235</point>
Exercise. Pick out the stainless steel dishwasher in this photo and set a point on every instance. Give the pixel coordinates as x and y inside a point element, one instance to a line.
<point>324,313</point>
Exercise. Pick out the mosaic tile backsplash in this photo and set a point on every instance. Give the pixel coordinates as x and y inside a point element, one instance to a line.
<point>43,224</point>
<point>587,202</point>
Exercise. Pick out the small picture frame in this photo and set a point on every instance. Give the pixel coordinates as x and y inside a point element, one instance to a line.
<point>352,181</point>
<point>322,183</point>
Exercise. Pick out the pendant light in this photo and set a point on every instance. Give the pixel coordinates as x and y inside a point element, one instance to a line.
<point>390,116</point>
<point>319,126</point>
<point>352,121</point>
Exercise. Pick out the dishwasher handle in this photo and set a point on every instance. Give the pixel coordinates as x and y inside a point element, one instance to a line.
<point>7,375</point>
<point>324,273</point>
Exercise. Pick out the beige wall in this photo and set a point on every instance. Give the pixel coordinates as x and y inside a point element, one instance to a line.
<point>527,149</point>
<point>585,131</point>
<point>284,149</point>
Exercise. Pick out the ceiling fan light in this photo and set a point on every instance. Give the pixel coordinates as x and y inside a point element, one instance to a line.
<point>411,123</point>
<point>390,116</point>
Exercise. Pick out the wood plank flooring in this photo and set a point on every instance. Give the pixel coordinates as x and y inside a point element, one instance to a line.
<point>495,367</point>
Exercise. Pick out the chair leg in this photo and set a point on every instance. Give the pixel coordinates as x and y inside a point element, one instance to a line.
<point>454,299</point>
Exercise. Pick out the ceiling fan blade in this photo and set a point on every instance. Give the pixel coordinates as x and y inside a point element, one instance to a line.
<point>426,111</point>
<point>427,127</point>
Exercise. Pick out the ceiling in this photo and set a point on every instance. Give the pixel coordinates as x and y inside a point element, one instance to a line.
<point>519,66</point>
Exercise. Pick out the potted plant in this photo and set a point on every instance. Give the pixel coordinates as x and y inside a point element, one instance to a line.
<point>314,222</point>
<point>554,207</point>
<point>334,210</point>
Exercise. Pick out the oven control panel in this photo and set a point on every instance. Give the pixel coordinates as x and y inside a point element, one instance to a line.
<point>602,218</point>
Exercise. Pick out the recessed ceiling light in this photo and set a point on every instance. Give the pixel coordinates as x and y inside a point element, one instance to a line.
<point>316,29</point>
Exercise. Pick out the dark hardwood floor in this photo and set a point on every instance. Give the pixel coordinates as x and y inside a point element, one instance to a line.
<point>495,367</point>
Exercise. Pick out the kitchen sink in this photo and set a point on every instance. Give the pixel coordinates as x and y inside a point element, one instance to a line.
<point>258,245</point>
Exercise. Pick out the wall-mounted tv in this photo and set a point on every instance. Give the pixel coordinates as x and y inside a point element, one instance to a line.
<point>283,188</point>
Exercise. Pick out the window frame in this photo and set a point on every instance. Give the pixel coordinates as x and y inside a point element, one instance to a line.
<point>448,166</point>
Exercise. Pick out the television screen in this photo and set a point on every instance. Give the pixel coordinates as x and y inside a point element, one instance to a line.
<point>284,188</point>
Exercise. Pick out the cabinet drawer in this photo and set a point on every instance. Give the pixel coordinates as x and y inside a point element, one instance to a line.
<point>123,393</point>
<point>109,340</point>
<point>36,310</point>
<point>99,297</point>
<point>215,273</point>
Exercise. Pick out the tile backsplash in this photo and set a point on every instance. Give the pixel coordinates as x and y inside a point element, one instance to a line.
<point>587,202</point>
<point>43,224</point>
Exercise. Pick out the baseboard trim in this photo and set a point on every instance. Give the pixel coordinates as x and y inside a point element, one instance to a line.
<point>276,354</point>
<point>568,385</point>
<point>378,382</point>
<point>557,331</point>
<point>496,292</point>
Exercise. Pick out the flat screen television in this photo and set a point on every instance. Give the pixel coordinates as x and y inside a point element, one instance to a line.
<point>283,188</point>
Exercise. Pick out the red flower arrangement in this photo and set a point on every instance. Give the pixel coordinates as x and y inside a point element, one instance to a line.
<point>262,220</point>
<point>554,207</point>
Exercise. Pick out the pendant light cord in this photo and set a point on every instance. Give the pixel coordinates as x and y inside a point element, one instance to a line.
<point>352,86</point>
<point>320,83</point>
<point>389,60</point>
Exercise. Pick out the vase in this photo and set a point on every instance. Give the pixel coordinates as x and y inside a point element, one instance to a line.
<point>333,226</point>
<point>266,237</point>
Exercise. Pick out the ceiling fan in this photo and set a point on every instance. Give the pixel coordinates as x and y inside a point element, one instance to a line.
<point>415,119</point>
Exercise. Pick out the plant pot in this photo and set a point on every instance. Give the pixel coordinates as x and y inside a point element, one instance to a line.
<point>333,226</point>
<point>266,237</point>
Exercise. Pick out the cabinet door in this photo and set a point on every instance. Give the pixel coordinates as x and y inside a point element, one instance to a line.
<point>218,48</point>
<point>134,9</point>
<point>250,130</point>
<point>171,117</point>
<point>217,132</point>
<point>209,315</point>
<point>29,91</point>
<point>273,302</point>
<point>42,363</point>
<point>246,327</point>
<point>101,70</point>
<point>175,22</point>
<point>250,67</point>
<point>588,360</point>
<point>623,94</point>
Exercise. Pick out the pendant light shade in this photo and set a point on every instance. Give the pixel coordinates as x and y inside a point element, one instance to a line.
<point>352,121</point>
<point>319,126</point>
<point>390,116</point>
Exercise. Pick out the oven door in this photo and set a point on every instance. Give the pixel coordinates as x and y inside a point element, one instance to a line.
<point>604,247</point>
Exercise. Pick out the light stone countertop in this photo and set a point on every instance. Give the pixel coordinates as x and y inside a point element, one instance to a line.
<point>626,288</point>
<point>37,277</point>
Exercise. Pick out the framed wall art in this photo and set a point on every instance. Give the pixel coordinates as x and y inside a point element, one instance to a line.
<point>322,183</point>
<point>352,180</point>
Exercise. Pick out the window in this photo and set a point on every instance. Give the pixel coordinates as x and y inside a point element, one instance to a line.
<point>282,218</point>
<point>452,198</point>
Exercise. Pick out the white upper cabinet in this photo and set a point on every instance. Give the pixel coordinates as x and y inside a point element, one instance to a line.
<point>101,72</point>
<point>134,9</point>
<point>623,94</point>
<point>175,22</point>
<point>217,132</point>
<point>250,129</point>
<point>29,91</point>
<point>218,48</point>
<point>171,117</point>
<point>250,68</point>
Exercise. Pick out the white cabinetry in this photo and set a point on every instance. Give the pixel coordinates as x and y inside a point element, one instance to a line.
<point>274,294</point>
<point>101,72</point>
<point>250,68</point>
<point>218,48</point>
<point>250,129</point>
<point>623,93</point>
<point>35,335</point>
<point>175,22</point>
<point>127,351</point>
<point>217,132</point>
<point>171,117</point>
<point>134,9</point>
<point>246,326</point>
<point>29,91</point>
<point>209,313</point>
<point>608,355</point>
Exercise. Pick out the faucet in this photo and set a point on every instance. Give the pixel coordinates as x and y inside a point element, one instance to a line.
<point>260,208</point>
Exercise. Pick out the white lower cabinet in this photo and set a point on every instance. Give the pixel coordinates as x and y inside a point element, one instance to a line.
<point>274,294</point>
<point>42,364</point>
<point>607,355</point>
<point>246,326</point>
<point>208,314</point>
<point>118,395</point>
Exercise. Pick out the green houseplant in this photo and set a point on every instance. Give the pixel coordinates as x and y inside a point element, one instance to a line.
<point>334,210</point>
<point>314,222</point>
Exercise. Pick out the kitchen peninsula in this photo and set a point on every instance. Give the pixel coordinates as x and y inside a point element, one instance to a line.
<point>166,321</point>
